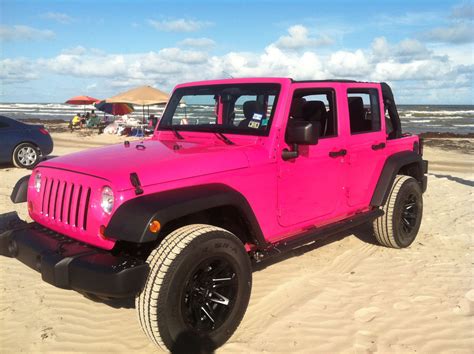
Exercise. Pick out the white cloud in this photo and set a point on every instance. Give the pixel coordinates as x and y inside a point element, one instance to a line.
<point>197,42</point>
<point>17,70</point>
<point>180,25</point>
<point>298,37</point>
<point>349,64</point>
<point>91,86</point>
<point>58,17</point>
<point>409,64</point>
<point>457,33</point>
<point>20,32</point>
<point>463,11</point>
<point>404,51</point>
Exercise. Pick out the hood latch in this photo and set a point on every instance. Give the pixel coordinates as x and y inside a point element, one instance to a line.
<point>136,183</point>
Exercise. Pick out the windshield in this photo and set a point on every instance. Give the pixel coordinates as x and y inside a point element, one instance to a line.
<point>235,109</point>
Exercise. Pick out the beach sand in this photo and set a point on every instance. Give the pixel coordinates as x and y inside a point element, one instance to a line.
<point>346,295</point>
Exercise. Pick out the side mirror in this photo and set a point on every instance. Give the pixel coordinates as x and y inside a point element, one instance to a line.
<point>300,132</point>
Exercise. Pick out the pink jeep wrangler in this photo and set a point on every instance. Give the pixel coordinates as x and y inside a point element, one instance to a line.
<point>237,171</point>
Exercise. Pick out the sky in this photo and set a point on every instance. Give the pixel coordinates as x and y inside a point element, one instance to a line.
<point>53,50</point>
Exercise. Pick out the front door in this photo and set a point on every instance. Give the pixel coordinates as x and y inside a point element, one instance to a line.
<point>311,185</point>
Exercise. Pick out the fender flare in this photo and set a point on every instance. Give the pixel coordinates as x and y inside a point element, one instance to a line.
<point>392,165</point>
<point>130,221</point>
<point>20,191</point>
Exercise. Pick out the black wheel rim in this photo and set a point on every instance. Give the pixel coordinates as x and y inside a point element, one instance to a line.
<point>409,215</point>
<point>209,295</point>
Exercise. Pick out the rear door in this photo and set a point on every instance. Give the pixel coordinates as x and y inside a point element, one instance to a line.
<point>366,141</point>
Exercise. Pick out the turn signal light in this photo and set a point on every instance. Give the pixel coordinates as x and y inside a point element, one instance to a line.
<point>30,206</point>
<point>154,226</point>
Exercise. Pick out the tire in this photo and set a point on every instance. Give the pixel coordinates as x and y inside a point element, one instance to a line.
<point>26,155</point>
<point>178,302</point>
<point>398,227</point>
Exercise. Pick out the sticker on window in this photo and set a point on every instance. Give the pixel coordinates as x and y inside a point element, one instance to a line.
<point>257,116</point>
<point>254,124</point>
<point>264,122</point>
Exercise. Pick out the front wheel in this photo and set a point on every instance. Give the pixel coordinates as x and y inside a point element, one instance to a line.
<point>26,155</point>
<point>398,227</point>
<point>198,288</point>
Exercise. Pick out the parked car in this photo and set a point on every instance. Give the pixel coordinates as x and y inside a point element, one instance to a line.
<point>265,166</point>
<point>23,144</point>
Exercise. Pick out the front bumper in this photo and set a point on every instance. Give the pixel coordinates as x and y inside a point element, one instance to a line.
<point>69,264</point>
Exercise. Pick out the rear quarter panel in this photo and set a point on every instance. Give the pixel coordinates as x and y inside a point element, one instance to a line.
<point>43,141</point>
<point>405,143</point>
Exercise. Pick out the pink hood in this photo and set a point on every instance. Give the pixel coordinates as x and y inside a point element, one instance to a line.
<point>158,162</point>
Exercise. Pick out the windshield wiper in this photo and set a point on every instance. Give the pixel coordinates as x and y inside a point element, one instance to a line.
<point>224,138</point>
<point>178,135</point>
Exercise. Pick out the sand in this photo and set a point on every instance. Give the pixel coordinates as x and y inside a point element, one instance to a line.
<point>346,295</point>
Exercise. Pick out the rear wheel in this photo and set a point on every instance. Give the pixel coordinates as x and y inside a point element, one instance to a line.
<point>398,227</point>
<point>26,155</point>
<point>197,290</point>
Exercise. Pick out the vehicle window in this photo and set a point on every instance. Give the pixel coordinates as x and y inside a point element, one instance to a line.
<point>236,109</point>
<point>241,107</point>
<point>317,106</point>
<point>364,110</point>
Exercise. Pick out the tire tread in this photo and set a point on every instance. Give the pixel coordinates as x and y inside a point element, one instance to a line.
<point>160,260</point>
<point>383,225</point>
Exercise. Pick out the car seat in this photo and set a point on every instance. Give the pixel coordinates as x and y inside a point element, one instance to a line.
<point>315,112</point>
<point>250,108</point>
<point>357,116</point>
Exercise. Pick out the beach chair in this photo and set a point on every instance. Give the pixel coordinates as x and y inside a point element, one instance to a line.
<point>93,122</point>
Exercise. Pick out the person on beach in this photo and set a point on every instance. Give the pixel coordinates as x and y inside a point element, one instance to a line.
<point>93,116</point>
<point>85,119</point>
<point>77,119</point>
<point>152,121</point>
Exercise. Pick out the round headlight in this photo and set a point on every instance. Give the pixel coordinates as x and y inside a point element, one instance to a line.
<point>107,199</point>
<point>38,181</point>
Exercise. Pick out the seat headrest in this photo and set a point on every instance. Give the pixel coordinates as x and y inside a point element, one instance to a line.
<point>356,105</point>
<point>314,111</point>
<point>296,110</point>
<point>251,107</point>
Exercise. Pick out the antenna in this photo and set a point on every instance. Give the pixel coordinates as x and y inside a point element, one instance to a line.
<point>226,73</point>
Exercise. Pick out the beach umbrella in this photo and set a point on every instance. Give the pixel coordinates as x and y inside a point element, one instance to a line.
<point>117,109</point>
<point>82,100</point>
<point>142,96</point>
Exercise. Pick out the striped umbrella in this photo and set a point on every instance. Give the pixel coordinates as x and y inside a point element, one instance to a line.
<point>117,109</point>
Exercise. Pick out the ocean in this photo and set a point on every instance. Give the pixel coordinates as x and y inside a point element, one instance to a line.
<point>458,119</point>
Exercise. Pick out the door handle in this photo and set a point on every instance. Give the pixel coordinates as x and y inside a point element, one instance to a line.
<point>341,152</point>
<point>378,146</point>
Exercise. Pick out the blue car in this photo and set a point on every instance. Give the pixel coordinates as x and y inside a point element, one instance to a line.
<point>23,144</point>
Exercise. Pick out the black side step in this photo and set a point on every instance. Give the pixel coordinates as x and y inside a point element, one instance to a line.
<point>316,234</point>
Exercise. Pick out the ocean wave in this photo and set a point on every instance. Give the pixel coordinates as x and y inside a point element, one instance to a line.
<point>438,113</point>
<point>420,121</point>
